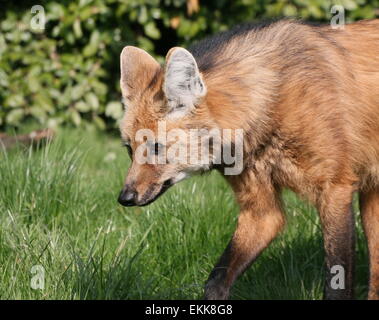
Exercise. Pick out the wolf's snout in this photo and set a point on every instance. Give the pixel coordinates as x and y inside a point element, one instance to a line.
<point>128,196</point>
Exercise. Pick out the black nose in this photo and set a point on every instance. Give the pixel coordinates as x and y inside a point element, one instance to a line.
<point>127,197</point>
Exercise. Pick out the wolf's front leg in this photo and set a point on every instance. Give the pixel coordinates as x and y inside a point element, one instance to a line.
<point>259,221</point>
<point>337,219</point>
<point>369,207</point>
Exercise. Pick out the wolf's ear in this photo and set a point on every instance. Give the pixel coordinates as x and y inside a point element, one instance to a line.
<point>137,70</point>
<point>183,84</point>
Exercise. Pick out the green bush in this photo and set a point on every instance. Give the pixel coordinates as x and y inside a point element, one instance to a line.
<point>68,73</point>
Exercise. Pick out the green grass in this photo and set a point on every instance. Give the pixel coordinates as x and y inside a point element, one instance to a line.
<point>58,209</point>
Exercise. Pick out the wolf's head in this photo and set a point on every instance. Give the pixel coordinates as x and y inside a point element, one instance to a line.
<point>167,127</point>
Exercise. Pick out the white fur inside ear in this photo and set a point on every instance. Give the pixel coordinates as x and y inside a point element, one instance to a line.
<point>183,84</point>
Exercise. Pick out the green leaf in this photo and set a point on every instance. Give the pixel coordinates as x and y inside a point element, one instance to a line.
<point>15,100</point>
<point>99,122</point>
<point>114,110</point>
<point>93,45</point>
<point>81,106</point>
<point>75,117</point>
<point>77,29</point>
<point>78,91</point>
<point>44,101</point>
<point>142,15</point>
<point>92,101</point>
<point>289,10</point>
<point>14,116</point>
<point>38,112</point>
<point>152,31</point>
<point>33,84</point>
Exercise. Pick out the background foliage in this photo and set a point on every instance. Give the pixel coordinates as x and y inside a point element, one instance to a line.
<point>68,73</point>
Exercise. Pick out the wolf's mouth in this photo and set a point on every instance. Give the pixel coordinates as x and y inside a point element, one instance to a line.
<point>166,185</point>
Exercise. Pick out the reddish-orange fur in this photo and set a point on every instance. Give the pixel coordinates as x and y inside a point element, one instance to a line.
<point>308,100</point>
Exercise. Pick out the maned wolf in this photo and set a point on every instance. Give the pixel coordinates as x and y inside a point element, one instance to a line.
<point>307,99</point>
